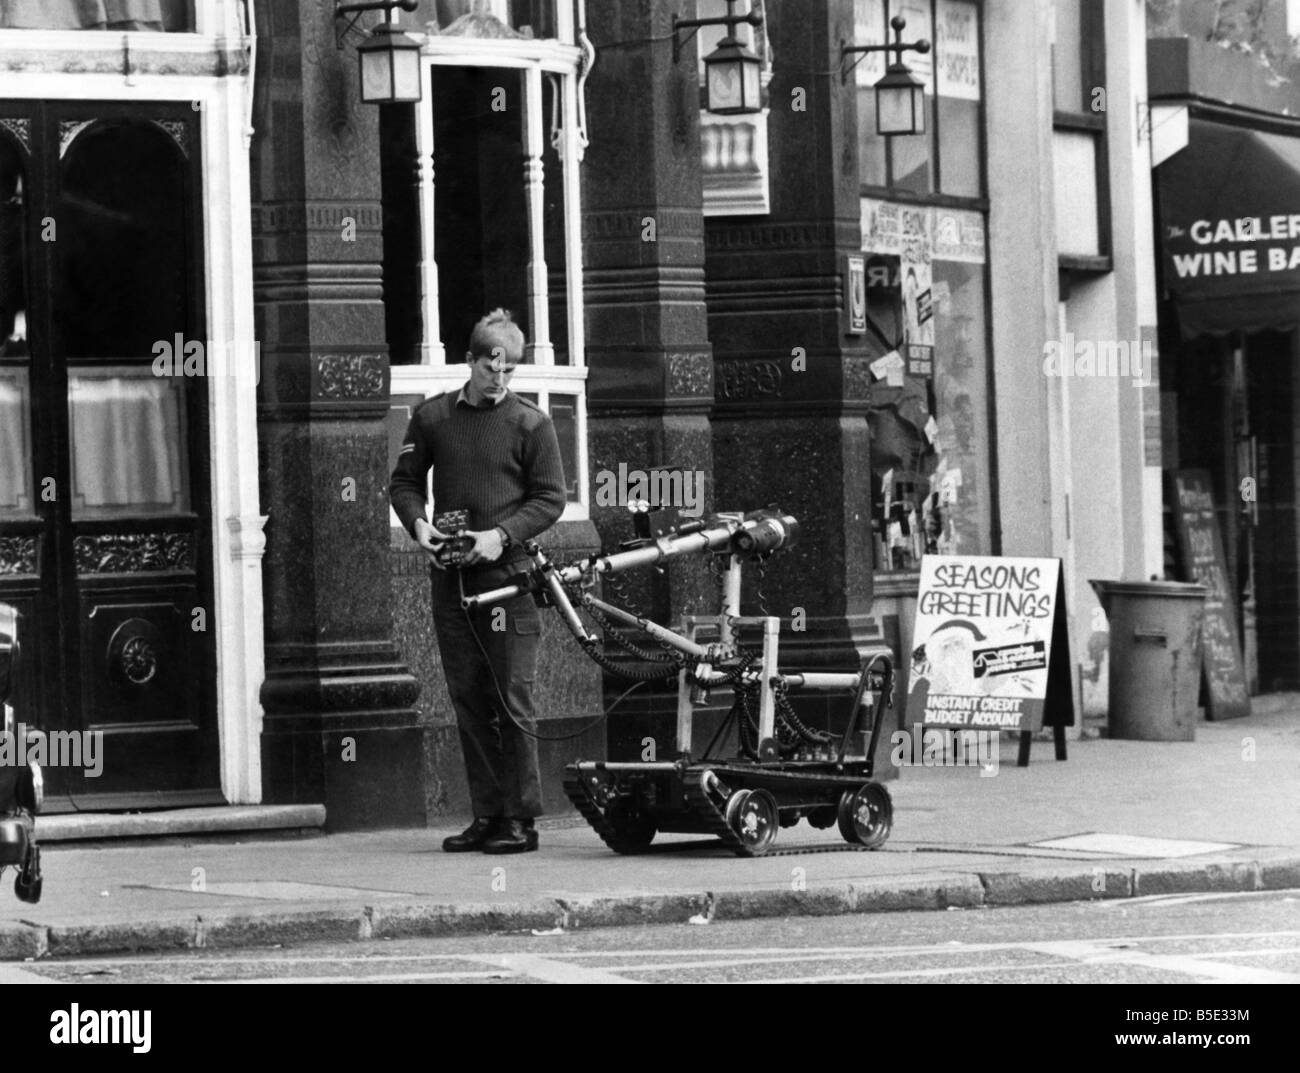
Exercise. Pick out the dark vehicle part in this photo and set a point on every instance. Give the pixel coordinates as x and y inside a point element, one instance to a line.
<point>22,789</point>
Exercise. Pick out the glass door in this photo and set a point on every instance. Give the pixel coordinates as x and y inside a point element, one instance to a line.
<point>104,472</point>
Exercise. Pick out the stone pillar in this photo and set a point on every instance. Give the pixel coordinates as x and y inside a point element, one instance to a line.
<point>1025,304</point>
<point>792,389</point>
<point>651,387</point>
<point>339,726</point>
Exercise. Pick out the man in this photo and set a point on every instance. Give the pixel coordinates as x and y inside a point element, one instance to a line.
<point>495,455</point>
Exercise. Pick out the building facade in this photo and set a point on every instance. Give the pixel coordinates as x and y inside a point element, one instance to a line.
<point>1224,101</point>
<point>869,331</point>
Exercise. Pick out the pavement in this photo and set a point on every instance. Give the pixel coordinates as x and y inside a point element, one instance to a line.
<point>1221,813</point>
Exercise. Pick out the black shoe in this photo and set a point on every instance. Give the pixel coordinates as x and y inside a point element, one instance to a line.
<point>513,836</point>
<point>473,837</point>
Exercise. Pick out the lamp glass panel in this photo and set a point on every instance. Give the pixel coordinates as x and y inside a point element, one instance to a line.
<point>406,75</point>
<point>376,75</point>
<point>753,94</point>
<point>725,86</point>
<point>894,111</point>
<point>912,158</point>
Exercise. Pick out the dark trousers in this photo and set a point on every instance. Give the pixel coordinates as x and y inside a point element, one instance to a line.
<point>490,655</point>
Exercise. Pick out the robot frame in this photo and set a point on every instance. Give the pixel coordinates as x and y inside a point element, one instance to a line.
<point>785,771</point>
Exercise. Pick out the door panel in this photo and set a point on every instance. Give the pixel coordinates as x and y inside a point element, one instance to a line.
<point>123,578</point>
<point>27,565</point>
<point>1274,540</point>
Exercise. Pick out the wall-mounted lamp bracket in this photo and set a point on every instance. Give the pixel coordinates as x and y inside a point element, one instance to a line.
<point>692,26</point>
<point>356,10</point>
<point>899,47</point>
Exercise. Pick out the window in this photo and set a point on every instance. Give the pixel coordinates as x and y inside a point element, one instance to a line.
<point>1079,141</point>
<point>128,443</point>
<point>15,389</point>
<point>923,233</point>
<point>947,158</point>
<point>170,16</point>
<point>929,421</point>
<point>125,207</point>
<point>493,218</point>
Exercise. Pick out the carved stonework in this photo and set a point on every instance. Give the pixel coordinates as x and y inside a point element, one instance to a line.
<point>17,555</point>
<point>214,62</point>
<point>738,381</point>
<point>179,132</point>
<point>857,378</point>
<point>351,376</point>
<point>247,536</point>
<point>20,129</point>
<point>68,130</point>
<point>624,224</point>
<point>482,24</point>
<point>690,374</point>
<point>770,236</point>
<point>275,218</point>
<point>133,553</point>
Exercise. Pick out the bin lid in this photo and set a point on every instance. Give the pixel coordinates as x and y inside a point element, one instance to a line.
<point>1176,589</point>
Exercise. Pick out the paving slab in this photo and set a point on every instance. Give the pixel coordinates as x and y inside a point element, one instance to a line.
<point>1118,819</point>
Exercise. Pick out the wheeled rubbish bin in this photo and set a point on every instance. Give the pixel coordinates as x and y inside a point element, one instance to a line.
<point>1155,657</point>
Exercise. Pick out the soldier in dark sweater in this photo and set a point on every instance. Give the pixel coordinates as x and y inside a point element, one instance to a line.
<point>495,455</point>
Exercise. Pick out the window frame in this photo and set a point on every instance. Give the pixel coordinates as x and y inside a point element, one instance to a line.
<point>888,190</point>
<point>437,371</point>
<point>1092,75</point>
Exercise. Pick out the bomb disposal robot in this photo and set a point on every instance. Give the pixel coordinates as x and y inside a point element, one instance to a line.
<point>783,770</point>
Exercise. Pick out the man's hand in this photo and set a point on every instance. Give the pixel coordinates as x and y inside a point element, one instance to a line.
<point>430,539</point>
<point>488,547</point>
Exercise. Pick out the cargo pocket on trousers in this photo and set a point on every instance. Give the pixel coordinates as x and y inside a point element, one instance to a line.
<point>524,660</point>
<point>528,625</point>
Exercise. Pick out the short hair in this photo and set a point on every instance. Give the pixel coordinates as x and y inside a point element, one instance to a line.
<point>496,329</point>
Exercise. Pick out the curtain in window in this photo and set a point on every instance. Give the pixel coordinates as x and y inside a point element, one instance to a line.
<point>15,463</point>
<point>126,446</point>
<point>94,15</point>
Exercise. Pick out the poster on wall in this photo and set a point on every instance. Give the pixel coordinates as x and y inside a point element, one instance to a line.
<point>855,293</point>
<point>957,50</point>
<point>990,649</point>
<point>918,293</point>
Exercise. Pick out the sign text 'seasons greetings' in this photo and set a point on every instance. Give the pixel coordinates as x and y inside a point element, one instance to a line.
<point>982,646</point>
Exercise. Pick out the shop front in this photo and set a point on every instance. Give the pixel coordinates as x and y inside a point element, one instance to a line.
<point>1229,230</point>
<point>925,326</point>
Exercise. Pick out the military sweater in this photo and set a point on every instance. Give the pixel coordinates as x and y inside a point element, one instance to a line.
<point>499,462</point>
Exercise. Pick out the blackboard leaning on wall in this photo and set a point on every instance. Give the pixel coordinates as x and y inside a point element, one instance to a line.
<point>1200,546</point>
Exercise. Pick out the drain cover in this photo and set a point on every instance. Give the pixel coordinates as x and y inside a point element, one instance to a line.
<point>1134,845</point>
